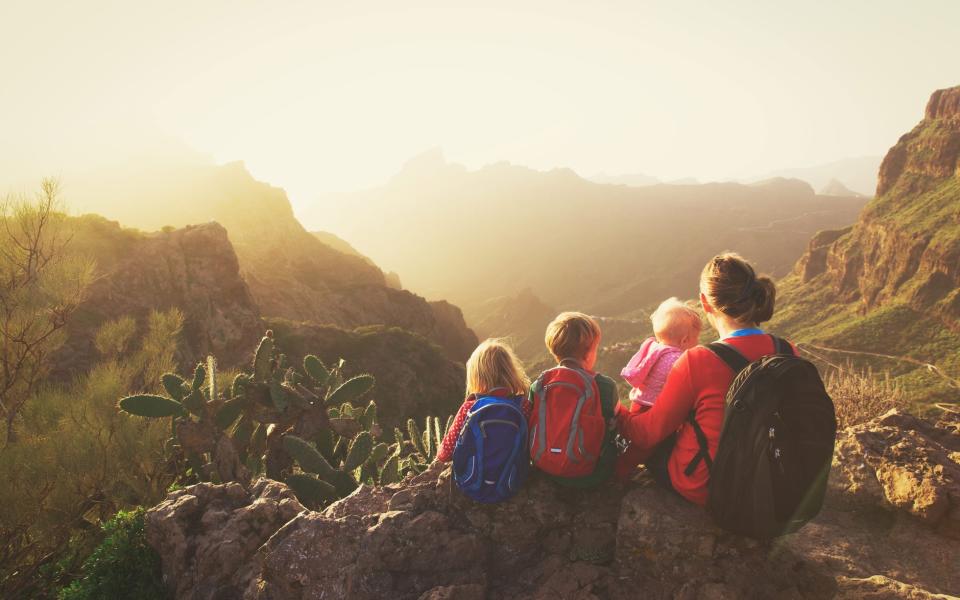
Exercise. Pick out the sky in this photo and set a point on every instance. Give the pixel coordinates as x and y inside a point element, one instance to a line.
<point>335,96</point>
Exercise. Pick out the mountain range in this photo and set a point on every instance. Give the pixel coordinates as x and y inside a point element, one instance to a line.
<point>857,175</point>
<point>611,250</point>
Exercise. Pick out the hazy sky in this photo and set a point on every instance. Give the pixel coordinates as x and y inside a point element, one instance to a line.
<point>320,96</point>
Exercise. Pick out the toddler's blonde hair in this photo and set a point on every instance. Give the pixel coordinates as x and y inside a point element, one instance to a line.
<point>673,319</point>
<point>493,365</point>
<point>571,335</point>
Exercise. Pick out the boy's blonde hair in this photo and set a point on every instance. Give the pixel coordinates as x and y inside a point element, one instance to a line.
<point>571,335</point>
<point>495,365</point>
<point>673,319</point>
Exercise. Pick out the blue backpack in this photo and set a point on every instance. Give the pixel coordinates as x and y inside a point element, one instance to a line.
<point>490,460</point>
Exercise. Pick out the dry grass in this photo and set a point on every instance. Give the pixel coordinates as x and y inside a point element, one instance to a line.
<point>859,396</point>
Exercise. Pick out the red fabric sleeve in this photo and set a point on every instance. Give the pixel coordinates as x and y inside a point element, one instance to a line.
<point>527,407</point>
<point>646,429</point>
<point>445,454</point>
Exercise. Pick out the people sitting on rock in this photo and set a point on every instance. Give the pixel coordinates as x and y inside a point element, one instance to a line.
<point>573,426</point>
<point>676,328</point>
<point>665,437</point>
<point>487,439</point>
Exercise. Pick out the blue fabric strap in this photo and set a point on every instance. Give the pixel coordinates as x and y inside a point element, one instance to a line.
<point>745,332</point>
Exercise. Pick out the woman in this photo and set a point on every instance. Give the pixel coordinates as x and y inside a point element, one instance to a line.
<point>736,301</point>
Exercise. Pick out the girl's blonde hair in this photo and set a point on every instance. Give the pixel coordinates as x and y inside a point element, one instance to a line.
<point>495,365</point>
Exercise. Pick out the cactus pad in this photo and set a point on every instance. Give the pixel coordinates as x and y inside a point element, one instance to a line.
<point>308,457</point>
<point>351,389</point>
<point>150,405</point>
<point>360,449</point>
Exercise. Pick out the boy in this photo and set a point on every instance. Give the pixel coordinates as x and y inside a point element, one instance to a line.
<point>572,428</point>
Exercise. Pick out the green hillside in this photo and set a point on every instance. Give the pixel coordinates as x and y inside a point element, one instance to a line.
<point>885,294</point>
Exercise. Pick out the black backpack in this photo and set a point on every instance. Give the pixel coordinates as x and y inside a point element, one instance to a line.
<point>769,475</point>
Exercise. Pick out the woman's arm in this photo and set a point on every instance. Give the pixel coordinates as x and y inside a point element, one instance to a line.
<point>648,428</point>
<point>445,454</point>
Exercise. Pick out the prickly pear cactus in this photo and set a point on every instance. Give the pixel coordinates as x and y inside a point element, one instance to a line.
<point>253,413</point>
<point>310,427</point>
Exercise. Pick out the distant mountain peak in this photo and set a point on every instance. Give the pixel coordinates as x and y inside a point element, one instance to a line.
<point>857,173</point>
<point>427,164</point>
<point>786,183</point>
<point>835,187</point>
<point>431,158</point>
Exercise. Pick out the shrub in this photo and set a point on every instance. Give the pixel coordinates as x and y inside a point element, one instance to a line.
<point>78,460</point>
<point>861,396</point>
<point>122,566</point>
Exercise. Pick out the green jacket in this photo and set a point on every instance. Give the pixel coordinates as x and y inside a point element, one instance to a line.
<point>608,453</point>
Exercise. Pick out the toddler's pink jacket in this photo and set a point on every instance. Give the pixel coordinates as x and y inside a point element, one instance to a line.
<point>648,369</point>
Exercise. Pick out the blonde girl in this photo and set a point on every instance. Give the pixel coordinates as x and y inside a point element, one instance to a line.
<point>492,370</point>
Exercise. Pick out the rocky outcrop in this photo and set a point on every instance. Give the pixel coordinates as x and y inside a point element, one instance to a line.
<point>201,563</point>
<point>414,377</point>
<point>814,260</point>
<point>193,269</point>
<point>290,272</point>
<point>932,149</point>
<point>421,539</point>
<point>450,330</point>
<point>905,247</point>
<point>905,463</point>
<point>295,275</point>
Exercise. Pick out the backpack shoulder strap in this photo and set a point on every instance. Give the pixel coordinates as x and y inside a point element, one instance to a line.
<point>730,355</point>
<point>703,453</point>
<point>782,346</point>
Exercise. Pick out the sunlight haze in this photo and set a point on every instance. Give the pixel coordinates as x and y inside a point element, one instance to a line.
<point>317,96</point>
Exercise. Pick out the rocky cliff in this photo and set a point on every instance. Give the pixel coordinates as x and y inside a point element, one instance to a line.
<point>193,269</point>
<point>891,283</point>
<point>294,275</point>
<point>906,243</point>
<point>889,530</point>
<point>290,272</point>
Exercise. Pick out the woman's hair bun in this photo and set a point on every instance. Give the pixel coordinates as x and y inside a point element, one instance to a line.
<point>732,286</point>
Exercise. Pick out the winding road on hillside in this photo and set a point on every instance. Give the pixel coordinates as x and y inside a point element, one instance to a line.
<point>929,366</point>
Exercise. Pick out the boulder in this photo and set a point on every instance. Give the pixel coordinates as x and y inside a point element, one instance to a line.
<point>901,462</point>
<point>207,534</point>
<point>421,539</point>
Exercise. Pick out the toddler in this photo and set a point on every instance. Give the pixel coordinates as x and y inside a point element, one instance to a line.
<point>676,328</point>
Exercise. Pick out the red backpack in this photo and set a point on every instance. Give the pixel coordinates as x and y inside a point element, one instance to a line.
<point>567,426</point>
